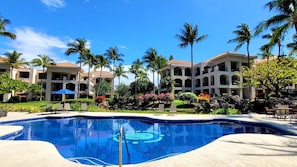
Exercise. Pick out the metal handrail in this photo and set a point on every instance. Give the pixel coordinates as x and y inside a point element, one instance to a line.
<point>121,135</point>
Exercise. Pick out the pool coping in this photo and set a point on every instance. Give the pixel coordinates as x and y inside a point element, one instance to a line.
<point>212,153</point>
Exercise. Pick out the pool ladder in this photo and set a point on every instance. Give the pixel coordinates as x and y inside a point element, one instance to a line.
<point>121,136</point>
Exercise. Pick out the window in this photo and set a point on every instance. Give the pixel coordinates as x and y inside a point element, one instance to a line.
<point>42,76</point>
<point>24,74</point>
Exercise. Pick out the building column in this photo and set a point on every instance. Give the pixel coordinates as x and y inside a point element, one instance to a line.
<point>48,90</point>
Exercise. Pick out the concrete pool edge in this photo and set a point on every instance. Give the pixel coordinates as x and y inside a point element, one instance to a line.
<point>239,149</point>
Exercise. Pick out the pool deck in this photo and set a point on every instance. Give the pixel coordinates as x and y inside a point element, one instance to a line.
<point>238,150</point>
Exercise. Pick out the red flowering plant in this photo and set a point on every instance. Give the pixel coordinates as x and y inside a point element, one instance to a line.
<point>150,97</point>
<point>166,97</point>
<point>100,99</point>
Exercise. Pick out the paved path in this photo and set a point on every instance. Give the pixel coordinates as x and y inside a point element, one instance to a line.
<point>239,150</point>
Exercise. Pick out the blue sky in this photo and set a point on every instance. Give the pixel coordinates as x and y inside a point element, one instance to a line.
<point>47,26</point>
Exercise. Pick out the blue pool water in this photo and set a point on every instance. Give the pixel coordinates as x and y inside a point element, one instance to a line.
<point>94,141</point>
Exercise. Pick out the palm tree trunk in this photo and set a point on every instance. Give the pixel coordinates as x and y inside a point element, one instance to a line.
<point>78,86</point>
<point>88,92</point>
<point>154,81</point>
<point>41,83</point>
<point>192,70</point>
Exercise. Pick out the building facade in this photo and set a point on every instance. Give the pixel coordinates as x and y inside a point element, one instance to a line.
<point>60,76</point>
<point>216,76</point>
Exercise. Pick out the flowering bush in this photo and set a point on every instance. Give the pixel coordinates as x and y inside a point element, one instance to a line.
<point>205,97</point>
<point>100,99</point>
<point>166,97</point>
<point>140,98</point>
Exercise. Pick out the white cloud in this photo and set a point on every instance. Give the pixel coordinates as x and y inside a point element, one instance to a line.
<point>54,3</point>
<point>32,43</point>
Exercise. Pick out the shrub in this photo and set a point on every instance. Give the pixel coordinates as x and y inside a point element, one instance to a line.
<point>188,96</point>
<point>230,111</point>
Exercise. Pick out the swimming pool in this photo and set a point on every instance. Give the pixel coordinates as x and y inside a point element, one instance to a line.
<point>94,140</point>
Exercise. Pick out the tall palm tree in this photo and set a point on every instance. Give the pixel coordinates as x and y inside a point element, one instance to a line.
<point>149,58</point>
<point>43,61</point>
<point>188,36</point>
<point>160,64</point>
<point>136,69</point>
<point>3,32</point>
<point>120,72</point>
<point>276,38</point>
<point>78,47</point>
<point>265,49</point>
<point>114,55</point>
<point>14,60</point>
<point>101,62</point>
<point>286,15</point>
<point>243,35</point>
<point>88,59</point>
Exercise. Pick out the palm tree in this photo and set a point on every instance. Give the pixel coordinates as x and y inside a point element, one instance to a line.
<point>14,60</point>
<point>275,38</point>
<point>114,55</point>
<point>243,35</point>
<point>101,62</point>
<point>265,49</point>
<point>43,61</point>
<point>120,72</point>
<point>136,69</point>
<point>88,59</point>
<point>149,58</point>
<point>286,16</point>
<point>160,64</point>
<point>78,46</point>
<point>293,46</point>
<point>188,36</point>
<point>3,32</point>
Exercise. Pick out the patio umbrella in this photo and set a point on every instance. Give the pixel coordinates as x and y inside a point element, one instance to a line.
<point>63,91</point>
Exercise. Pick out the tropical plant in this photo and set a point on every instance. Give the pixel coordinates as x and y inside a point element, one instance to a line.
<point>88,59</point>
<point>14,60</point>
<point>120,72</point>
<point>160,64</point>
<point>188,36</point>
<point>114,55</point>
<point>3,32</point>
<point>43,61</point>
<point>102,88</point>
<point>78,47</point>
<point>243,36</point>
<point>273,75</point>
<point>136,69</point>
<point>101,62</point>
<point>123,91</point>
<point>149,58</point>
<point>167,83</point>
<point>286,15</point>
<point>275,38</point>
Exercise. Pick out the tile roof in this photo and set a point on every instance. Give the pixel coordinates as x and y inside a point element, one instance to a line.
<point>179,62</point>
<point>66,64</point>
<point>103,74</point>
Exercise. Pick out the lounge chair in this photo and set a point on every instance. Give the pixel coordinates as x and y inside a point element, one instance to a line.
<point>84,107</point>
<point>160,109</point>
<point>67,107</point>
<point>172,110</point>
<point>270,111</point>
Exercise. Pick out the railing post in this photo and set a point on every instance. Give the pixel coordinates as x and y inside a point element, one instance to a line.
<point>120,147</point>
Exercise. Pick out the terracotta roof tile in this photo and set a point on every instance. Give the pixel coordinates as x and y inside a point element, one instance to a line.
<point>179,62</point>
<point>66,64</point>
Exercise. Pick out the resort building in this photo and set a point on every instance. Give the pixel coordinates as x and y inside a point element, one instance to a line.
<point>60,76</point>
<point>216,76</point>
